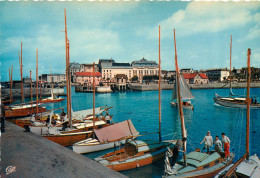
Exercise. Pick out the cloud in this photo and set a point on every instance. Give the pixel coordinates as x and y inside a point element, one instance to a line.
<point>206,17</point>
<point>255,31</point>
<point>255,59</point>
<point>93,43</point>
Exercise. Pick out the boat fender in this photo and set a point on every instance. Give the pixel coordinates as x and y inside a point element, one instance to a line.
<point>137,165</point>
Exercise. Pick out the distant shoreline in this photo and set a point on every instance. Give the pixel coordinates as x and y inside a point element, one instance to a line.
<point>166,86</point>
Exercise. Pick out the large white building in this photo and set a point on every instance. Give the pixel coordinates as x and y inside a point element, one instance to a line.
<point>220,74</point>
<point>56,78</point>
<point>109,68</point>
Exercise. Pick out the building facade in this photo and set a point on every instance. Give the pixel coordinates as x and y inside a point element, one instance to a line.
<point>55,78</point>
<point>195,78</point>
<point>86,78</point>
<point>143,68</point>
<point>220,74</point>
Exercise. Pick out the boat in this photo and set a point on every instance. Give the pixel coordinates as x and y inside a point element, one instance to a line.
<point>246,166</point>
<point>186,95</point>
<point>67,139</point>
<point>233,101</point>
<point>104,89</point>
<point>107,137</point>
<point>137,153</point>
<point>195,163</point>
<point>51,99</point>
<point>22,110</point>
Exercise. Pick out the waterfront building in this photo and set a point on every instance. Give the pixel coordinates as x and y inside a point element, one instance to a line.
<point>109,72</point>
<point>220,74</point>
<point>86,78</point>
<point>56,78</point>
<point>88,68</point>
<point>143,68</point>
<point>120,81</point>
<point>188,70</point>
<point>105,63</point>
<point>195,78</point>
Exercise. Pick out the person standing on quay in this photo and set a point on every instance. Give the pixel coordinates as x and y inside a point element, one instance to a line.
<point>226,145</point>
<point>208,142</point>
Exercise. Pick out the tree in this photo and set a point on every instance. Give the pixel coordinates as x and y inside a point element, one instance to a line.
<point>134,78</point>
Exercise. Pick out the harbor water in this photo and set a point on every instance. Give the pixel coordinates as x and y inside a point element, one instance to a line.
<point>142,109</point>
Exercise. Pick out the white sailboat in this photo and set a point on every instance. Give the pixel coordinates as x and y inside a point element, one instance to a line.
<point>232,100</point>
<point>107,137</point>
<point>185,92</point>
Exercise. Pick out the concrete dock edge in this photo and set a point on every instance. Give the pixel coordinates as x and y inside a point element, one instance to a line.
<point>26,155</point>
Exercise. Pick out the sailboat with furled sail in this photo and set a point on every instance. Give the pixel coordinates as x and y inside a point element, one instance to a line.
<point>185,93</point>
<point>73,134</point>
<point>233,101</point>
<point>23,109</point>
<point>196,163</point>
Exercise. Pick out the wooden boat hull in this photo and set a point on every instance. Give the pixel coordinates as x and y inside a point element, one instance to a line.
<point>136,161</point>
<point>51,101</point>
<point>230,104</point>
<point>23,112</point>
<point>68,139</point>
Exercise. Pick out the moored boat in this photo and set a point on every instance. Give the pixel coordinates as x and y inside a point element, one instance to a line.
<point>134,154</point>
<point>107,137</point>
<point>185,93</point>
<point>23,110</point>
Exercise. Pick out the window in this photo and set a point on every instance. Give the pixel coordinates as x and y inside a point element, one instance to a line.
<point>216,162</point>
<point>206,166</point>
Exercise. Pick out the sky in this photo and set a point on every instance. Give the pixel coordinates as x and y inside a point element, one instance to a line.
<point>128,31</point>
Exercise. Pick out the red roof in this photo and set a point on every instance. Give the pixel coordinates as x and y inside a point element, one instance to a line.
<point>203,76</point>
<point>193,75</point>
<point>88,74</point>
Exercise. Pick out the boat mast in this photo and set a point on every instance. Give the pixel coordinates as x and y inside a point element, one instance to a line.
<point>230,89</point>
<point>160,136</point>
<point>11,83</point>
<point>184,134</point>
<point>21,70</point>
<point>51,85</point>
<point>37,80</point>
<point>246,155</point>
<point>94,114</point>
<point>248,102</point>
<point>67,72</point>
<point>31,91</point>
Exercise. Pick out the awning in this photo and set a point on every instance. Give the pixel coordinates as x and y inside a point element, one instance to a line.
<point>116,131</point>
